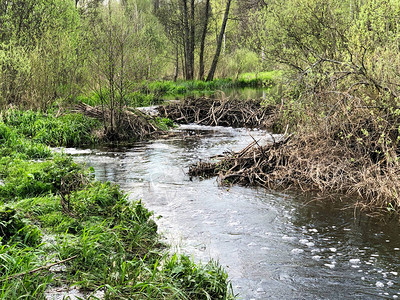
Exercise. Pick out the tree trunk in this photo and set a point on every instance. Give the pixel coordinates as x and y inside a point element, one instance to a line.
<point>219,43</point>
<point>192,33</point>
<point>186,40</point>
<point>203,40</point>
<point>176,64</point>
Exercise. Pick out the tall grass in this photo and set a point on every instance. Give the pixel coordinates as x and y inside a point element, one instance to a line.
<point>66,130</point>
<point>52,210</point>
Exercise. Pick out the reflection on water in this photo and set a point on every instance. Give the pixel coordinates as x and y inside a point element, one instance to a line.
<point>235,93</point>
<point>272,244</point>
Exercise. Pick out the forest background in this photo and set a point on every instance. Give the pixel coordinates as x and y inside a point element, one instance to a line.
<point>336,69</point>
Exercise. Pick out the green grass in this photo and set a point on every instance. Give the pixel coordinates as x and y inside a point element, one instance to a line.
<point>149,93</point>
<point>67,130</point>
<point>268,76</point>
<point>51,209</point>
<point>138,98</point>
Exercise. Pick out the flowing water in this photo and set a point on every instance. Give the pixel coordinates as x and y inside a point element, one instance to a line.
<point>273,245</point>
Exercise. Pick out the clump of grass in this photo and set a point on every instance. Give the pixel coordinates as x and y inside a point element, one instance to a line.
<point>260,79</point>
<point>14,145</point>
<point>66,130</point>
<point>164,123</point>
<point>26,178</point>
<point>208,281</point>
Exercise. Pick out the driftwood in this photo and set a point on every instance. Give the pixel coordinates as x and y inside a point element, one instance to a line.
<point>225,112</point>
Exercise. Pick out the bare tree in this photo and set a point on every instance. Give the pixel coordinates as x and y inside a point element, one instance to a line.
<point>203,39</point>
<point>211,73</point>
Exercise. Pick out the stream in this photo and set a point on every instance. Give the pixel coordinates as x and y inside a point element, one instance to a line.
<point>273,245</point>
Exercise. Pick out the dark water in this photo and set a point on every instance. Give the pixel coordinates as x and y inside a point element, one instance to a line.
<point>236,93</point>
<point>273,245</point>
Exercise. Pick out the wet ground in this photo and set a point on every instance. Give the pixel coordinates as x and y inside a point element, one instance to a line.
<point>273,245</point>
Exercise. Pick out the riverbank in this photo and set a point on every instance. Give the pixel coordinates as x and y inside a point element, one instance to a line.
<point>62,230</point>
<point>329,146</point>
<point>147,93</point>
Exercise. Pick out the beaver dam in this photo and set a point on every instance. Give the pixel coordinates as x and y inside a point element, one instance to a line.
<point>314,160</point>
<point>226,112</point>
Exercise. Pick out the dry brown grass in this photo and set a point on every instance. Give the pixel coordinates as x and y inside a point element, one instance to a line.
<point>352,151</point>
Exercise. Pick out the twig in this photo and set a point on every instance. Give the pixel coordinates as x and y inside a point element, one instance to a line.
<point>39,269</point>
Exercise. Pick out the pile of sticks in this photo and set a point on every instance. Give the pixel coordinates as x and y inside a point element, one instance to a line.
<point>133,124</point>
<point>250,166</point>
<point>225,112</point>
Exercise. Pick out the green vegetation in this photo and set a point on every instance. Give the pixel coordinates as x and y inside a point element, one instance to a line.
<point>149,93</point>
<point>161,88</point>
<point>66,130</point>
<point>51,210</point>
<point>337,90</point>
<point>339,95</point>
<point>133,99</point>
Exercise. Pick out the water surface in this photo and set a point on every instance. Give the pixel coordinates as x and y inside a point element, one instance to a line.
<point>273,245</point>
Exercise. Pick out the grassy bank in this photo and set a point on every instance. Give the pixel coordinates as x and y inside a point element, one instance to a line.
<point>149,93</point>
<point>52,212</point>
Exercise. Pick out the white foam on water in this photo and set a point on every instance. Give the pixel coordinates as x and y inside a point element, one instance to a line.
<point>354,261</point>
<point>297,251</point>
<point>316,257</point>
<point>379,284</point>
<point>303,241</point>
<point>332,249</point>
<point>260,291</point>
<point>310,244</point>
<point>394,273</point>
<point>331,266</point>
